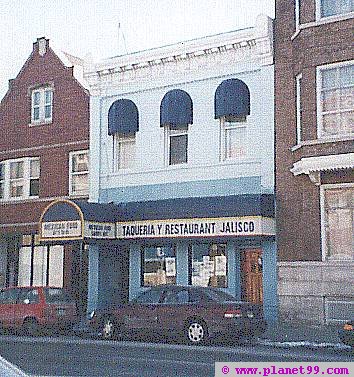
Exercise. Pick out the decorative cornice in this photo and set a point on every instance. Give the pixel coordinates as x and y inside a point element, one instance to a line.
<point>254,44</point>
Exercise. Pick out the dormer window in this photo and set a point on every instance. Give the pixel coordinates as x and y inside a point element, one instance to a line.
<point>42,105</point>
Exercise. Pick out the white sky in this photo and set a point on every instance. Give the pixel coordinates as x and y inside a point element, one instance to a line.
<point>91,26</point>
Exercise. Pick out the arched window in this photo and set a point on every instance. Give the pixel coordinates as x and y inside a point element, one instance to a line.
<point>123,123</point>
<point>176,114</point>
<point>232,106</point>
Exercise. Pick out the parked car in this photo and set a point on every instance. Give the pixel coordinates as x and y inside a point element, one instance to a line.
<point>33,309</point>
<point>346,333</point>
<point>195,313</point>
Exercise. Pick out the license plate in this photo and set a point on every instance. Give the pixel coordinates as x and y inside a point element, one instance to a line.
<point>61,312</point>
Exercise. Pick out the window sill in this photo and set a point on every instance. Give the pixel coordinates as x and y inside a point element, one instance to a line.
<point>20,199</point>
<point>78,196</point>
<point>321,141</point>
<point>322,21</point>
<point>40,123</point>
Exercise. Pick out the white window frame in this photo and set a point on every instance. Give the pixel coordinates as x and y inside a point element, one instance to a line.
<point>71,173</point>
<point>299,108</point>
<point>2,180</point>
<point>226,125</point>
<point>168,135</point>
<point>323,188</point>
<point>122,139</point>
<point>319,70</point>
<point>297,15</point>
<point>42,105</point>
<point>335,17</point>
<point>26,179</point>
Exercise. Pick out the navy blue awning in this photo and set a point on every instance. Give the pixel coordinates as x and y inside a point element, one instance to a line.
<point>232,99</point>
<point>189,208</point>
<point>176,108</point>
<point>123,117</point>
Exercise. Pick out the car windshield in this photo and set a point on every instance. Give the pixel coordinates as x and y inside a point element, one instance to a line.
<point>149,297</point>
<point>219,296</point>
<point>57,296</point>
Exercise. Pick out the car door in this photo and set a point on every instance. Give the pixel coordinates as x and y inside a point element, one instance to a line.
<point>141,313</point>
<point>7,307</point>
<point>27,305</point>
<point>173,310</point>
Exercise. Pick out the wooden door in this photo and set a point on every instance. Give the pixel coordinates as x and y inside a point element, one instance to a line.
<point>251,272</point>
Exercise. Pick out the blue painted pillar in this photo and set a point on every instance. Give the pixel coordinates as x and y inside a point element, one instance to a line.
<point>93,277</point>
<point>182,263</point>
<point>270,296</point>
<point>134,271</point>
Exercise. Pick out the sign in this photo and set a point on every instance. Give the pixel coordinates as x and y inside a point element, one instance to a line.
<point>99,230</point>
<point>61,229</point>
<point>186,228</point>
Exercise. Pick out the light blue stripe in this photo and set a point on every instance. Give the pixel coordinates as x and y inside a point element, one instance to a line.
<point>222,187</point>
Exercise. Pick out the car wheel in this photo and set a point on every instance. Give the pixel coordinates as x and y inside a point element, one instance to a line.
<point>196,332</point>
<point>109,328</point>
<point>31,327</point>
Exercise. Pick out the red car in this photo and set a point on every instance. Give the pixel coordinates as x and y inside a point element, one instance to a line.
<point>195,313</point>
<point>34,309</point>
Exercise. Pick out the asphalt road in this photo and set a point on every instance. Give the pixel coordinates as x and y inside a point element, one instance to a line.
<point>69,356</point>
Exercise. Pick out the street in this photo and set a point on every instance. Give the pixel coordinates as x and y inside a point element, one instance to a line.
<point>70,356</point>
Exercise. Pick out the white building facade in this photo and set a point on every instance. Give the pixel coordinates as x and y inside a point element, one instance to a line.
<point>181,141</point>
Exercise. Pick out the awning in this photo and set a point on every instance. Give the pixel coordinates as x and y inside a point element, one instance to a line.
<point>313,166</point>
<point>123,117</point>
<point>64,220</point>
<point>208,217</point>
<point>232,99</point>
<point>176,108</point>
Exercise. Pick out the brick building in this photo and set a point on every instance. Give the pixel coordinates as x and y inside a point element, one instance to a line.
<point>44,139</point>
<point>314,132</point>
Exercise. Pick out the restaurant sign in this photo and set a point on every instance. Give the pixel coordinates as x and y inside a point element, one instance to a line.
<point>61,229</point>
<point>207,227</point>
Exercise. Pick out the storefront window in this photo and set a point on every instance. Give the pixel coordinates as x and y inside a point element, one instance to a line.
<point>208,265</point>
<point>158,265</point>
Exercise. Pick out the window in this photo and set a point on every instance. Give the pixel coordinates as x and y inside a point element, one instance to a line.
<point>233,140</point>
<point>338,211</point>
<point>40,265</point>
<point>150,297</point>
<point>208,265</point>
<point>124,147</point>
<point>28,296</point>
<point>42,105</point>
<point>2,181</point>
<point>335,7</point>
<point>299,108</point>
<point>158,265</point>
<point>177,144</point>
<point>336,100</point>
<point>19,179</point>
<point>179,297</point>
<point>79,172</point>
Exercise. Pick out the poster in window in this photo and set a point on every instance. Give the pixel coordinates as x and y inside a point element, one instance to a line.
<point>170,266</point>
<point>220,265</point>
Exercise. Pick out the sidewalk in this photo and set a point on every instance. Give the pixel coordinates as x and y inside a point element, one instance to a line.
<point>289,332</point>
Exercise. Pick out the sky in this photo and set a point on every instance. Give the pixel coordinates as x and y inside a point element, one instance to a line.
<point>105,28</point>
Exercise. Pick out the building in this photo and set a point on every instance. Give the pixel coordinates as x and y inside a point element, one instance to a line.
<point>44,127</point>
<point>182,171</point>
<point>314,133</point>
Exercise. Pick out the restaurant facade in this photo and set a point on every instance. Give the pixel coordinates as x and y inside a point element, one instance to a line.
<point>181,178</point>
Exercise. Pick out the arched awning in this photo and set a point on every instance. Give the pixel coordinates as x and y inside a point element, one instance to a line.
<point>232,99</point>
<point>176,108</point>
<point>66,220</point>
<point>123,117</point>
